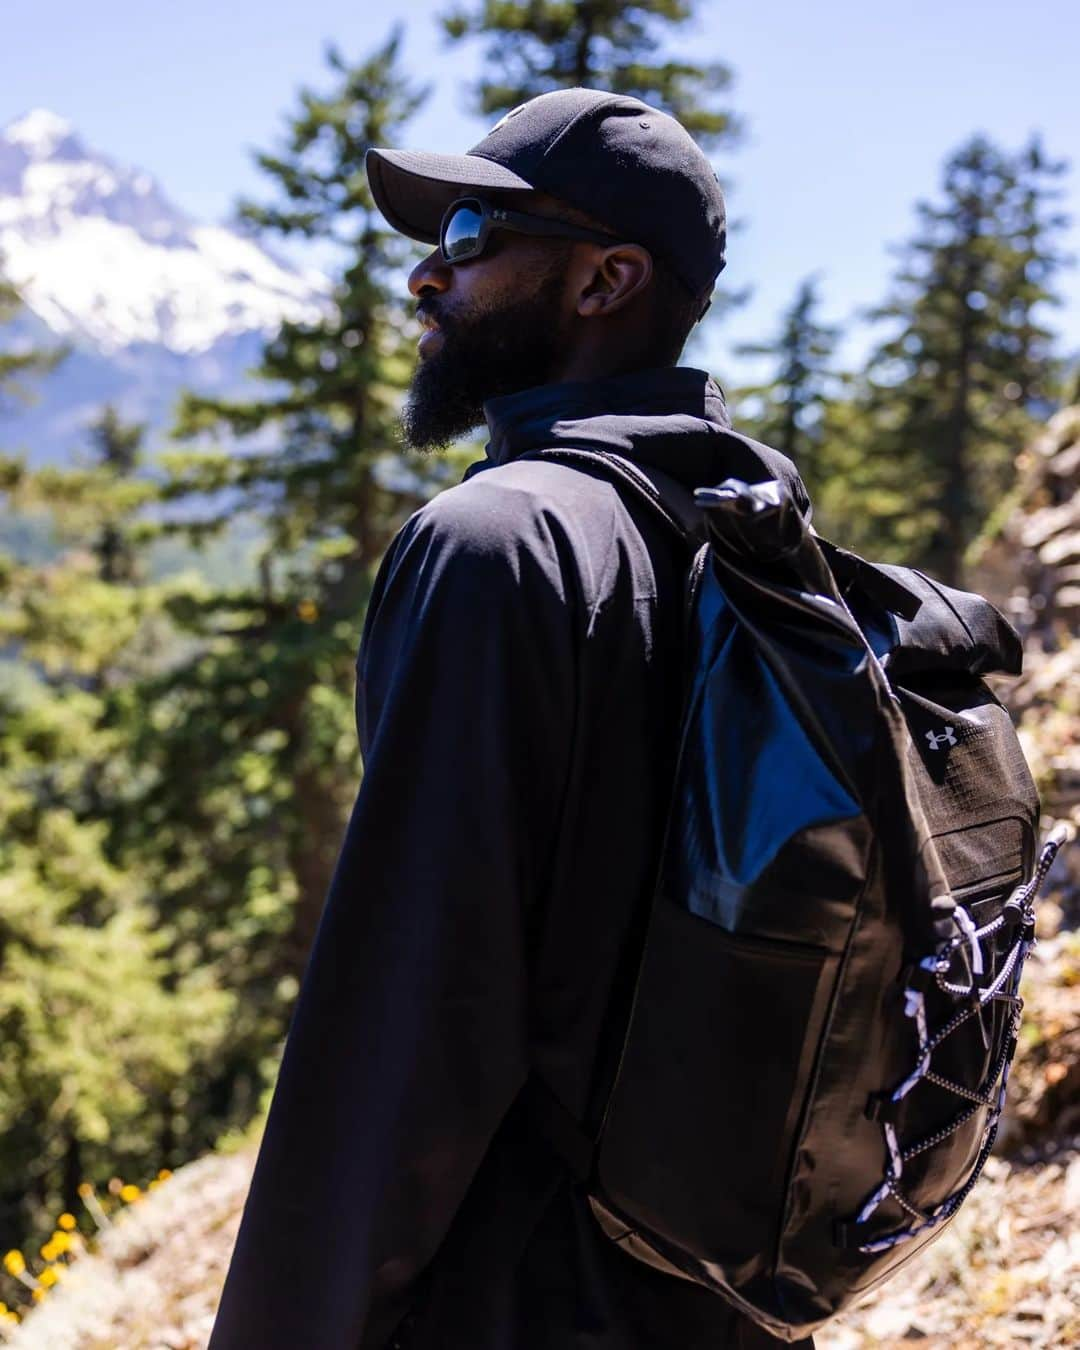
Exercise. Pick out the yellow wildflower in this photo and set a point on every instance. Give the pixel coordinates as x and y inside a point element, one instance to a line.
<point>68,1221</point>
<point>48,1277</point>
<point>129,1193</point>
<point>14,1262</point>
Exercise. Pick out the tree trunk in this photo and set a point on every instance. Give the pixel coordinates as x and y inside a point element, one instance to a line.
<point>72,1172</point>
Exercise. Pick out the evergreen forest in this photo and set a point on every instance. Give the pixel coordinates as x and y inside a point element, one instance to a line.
<point>178,753</point>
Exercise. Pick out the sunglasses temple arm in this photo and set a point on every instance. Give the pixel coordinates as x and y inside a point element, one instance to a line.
<point>524,224</point>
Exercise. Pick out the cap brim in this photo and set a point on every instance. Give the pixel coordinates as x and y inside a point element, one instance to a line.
<point>413,188</point>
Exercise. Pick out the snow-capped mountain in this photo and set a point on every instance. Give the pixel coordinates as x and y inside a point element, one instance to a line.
<point>99,252</point>
<point>148,299</point>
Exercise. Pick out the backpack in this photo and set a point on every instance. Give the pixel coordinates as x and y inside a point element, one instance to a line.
<point>807,1080</point>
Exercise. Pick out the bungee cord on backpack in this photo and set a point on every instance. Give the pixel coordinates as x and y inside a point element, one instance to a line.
<point>1017,915</point>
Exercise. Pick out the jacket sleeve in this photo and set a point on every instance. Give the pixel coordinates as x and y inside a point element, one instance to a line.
<point>409,1039</point>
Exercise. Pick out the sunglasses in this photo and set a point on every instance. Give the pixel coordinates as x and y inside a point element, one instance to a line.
<point>468,222</point>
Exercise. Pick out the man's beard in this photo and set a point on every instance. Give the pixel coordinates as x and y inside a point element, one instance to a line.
<point>501,350</point>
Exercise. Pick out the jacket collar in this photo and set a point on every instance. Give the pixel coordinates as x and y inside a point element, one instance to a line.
<point>667,416</point>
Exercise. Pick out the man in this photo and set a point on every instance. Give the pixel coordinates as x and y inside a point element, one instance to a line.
<point>518,694</point>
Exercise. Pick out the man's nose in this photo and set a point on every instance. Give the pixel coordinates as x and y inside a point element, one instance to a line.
<point>431,273</point>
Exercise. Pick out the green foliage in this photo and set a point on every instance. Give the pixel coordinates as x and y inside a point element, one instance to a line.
<point>533,46</point>
<point>99,1027</point>
<point>105,1023</point>
<point>788,411</point>
<point>949,398</point>
<point>330,421</point>
<point>17,362</point>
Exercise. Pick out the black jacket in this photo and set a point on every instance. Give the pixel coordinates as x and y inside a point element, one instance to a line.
<point>517,699</point>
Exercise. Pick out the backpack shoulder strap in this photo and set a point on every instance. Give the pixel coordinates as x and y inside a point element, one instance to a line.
<point>674,503</point>
<point>571,1139</point>
<point>672,500</point>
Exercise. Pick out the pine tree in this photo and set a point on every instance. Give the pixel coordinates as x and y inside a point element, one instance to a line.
<point>104,1020</point>
<point>533,46</point>
<point>19,361</point>
<point>949,399</point>
<point>247,746</point>
<point>118,448</point>
<point>787,412</point>
<point>21,364</point>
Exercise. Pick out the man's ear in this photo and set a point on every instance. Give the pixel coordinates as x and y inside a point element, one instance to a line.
<point>618,274</point>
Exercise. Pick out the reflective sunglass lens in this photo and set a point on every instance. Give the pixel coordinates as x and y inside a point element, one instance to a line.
<point>462,233</point>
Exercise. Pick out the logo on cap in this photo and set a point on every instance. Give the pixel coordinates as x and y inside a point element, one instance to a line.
<point>506,117</point>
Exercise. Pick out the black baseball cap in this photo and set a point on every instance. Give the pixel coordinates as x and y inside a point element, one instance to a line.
<point>631,166</point>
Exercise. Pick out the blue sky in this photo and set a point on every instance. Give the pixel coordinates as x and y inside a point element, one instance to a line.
<point>850,109</point>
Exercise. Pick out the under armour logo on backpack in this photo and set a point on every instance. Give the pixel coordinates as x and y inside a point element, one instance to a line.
<point>938,739</point>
